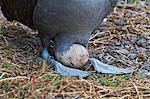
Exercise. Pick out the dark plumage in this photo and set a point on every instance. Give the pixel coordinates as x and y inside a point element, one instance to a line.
<point>72,20</point>
<point>19,10</point>
<point>67,22</point>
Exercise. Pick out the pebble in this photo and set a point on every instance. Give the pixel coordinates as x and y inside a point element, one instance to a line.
<point>137,8</point>
<point>119,22</point>
<point>148,42</point>
<point>132,56</point>
<point>141,50</point>
<point>127,14</point>
<point>142,42</point>
<point>108,58</point>
<point>134,39</point>
<point>122,51</point>
<point>146,67</point>
<point>118,43</point>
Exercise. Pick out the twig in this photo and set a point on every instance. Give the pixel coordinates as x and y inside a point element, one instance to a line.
<point>14,78</point>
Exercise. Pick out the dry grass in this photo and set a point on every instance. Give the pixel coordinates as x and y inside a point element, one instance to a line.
<point>23,75</point>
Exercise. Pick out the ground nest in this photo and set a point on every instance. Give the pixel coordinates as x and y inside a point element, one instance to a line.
<point>123,41</point>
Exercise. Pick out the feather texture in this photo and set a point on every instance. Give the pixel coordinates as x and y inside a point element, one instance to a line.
<point>19,10</point>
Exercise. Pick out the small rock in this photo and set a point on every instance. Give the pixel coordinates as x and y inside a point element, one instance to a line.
<point>133,50</point>
<point>117,43</point>
<point>105,20</point>
<point>108,58</point>
<point>132,56</point>
<point>141,42</point>
<point>144,73</point>
<point>148,42</point>
<point>134,39</point>
<point>126,46</point>
<point>127,14</point>
<point>122,51</point>
<point>137,8</point>
<point>119,22</point>
<point>141,50</point>
<point>147,4</point>
<point>148,49</point>
<point>146,67</point>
